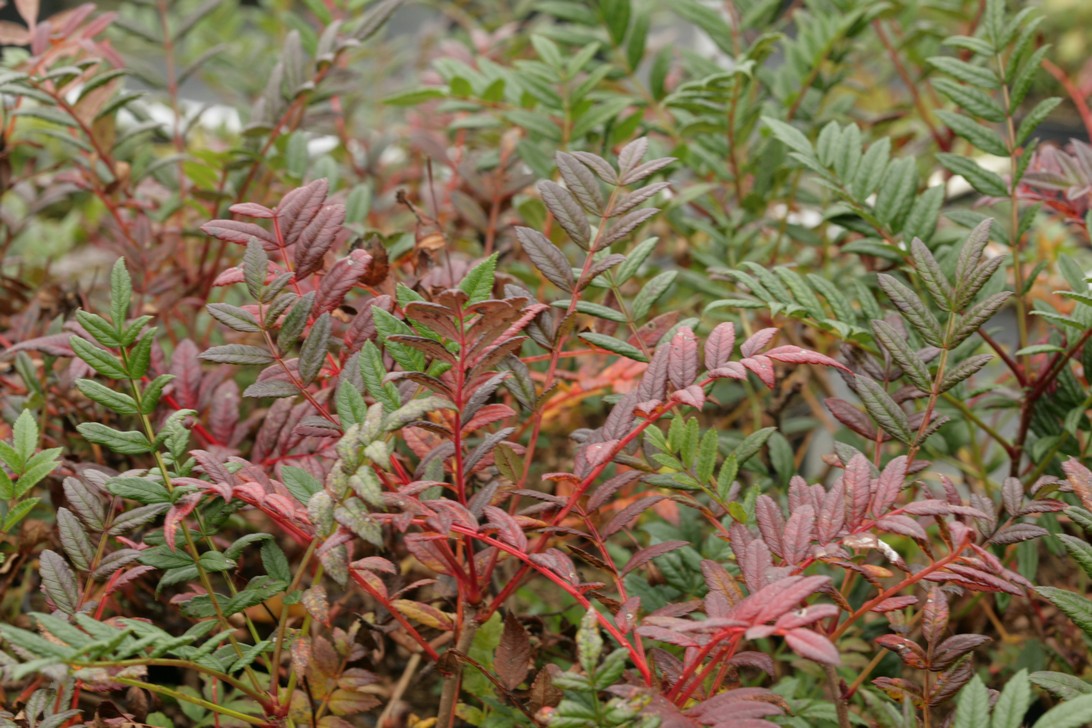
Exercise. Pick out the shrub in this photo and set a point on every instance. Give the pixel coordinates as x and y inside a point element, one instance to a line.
<point>613,383</point>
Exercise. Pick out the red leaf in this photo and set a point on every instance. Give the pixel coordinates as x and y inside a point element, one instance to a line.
<point>729,370</point>
<point>795,355</point>
<point>851,417</point>
<point>890,483</point>
<point>251,209</point>
<point>813,646</point>
<point>682,363</point>
<point>508,528</point>
<point>629,514</point>
<point>234,231</point>
<point>903,525</point>
<point>487,415</point>
<point>857,482</point>
<point>796,541</point>
<point>648,554</point>
<point>758,341</point>
<point>890,605</point>
<point>182,508</point>
<point>512,660</point>
<point>720,345</point>
<point>762,367</point>
<point>692,395</point>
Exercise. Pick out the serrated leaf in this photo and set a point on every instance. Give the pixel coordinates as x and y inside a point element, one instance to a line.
<point>478,283</point>
<point>238,354</point>
<point>101,361</point>
<point>314,349</point>
<point>984,181</point>
<point>651,292</point>
<point>235,318</point>
<point>896,345</point>
<point>111,399</point>
<point>887,414</point>
<point>614,345</point>
<point>123,443</point>
<point>547,257</point>
<point>913,309</point>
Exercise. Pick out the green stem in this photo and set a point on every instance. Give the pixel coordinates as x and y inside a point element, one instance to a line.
<point>183,697</point>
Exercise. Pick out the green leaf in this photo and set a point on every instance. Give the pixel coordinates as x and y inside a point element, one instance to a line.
<point>1074,606</point>
<point>1065,686</point>
<point>973,705</point>
<point>1074,713</point>
<point>314,349</point>
<point>25,436</point>
<point>99,328</point>
<point>752,444</point>
<point>1080,551</point>
<point>113,400</point>
<point>235,318</point>
<point>478,283</point>
<point>300,483</point>
<point>976,76</point>
<point>236,549</point>
<point>124,443</point>
<point>614,345</point>
<point>987,140</point>
<point>790,136</point>
<point>19,512</point>
<point>121,294</point>
<point>651,292</point>
<point>37,468</point>
<point>372,372</point>
<point>634,259</point>
<point>141,490</point>
<point>275,562</point>
<point>971,100</point>
<point>1034,118</point>
<point>896,345</point>
<point>984,181</point>
<point>102,362</point>
<point>1013,702</point>
<point>413,97</point>
<point>238,354</point>
<point>912,308</point>
<point>883,409</point>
